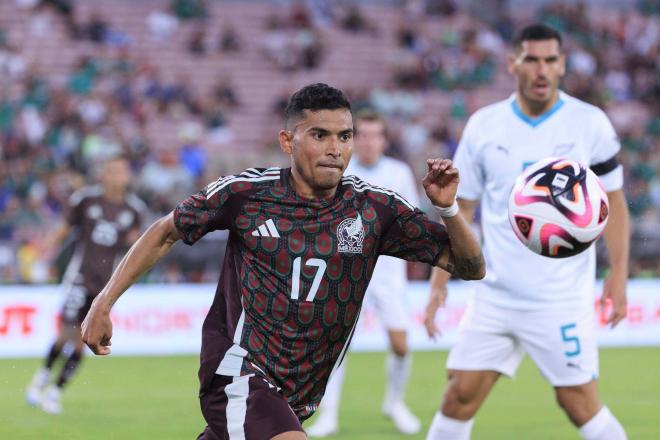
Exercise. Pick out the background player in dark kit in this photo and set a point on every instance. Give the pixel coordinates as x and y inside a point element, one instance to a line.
<point>105,219</point>
<point>303,244</point>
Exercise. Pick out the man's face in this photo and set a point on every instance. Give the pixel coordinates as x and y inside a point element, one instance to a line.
<point>538,66</point>
<point>116,175</point>
<point>320,145</point>
<point>370,141</point>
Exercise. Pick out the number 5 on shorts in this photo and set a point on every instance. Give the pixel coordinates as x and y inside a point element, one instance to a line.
<point>568,339</point>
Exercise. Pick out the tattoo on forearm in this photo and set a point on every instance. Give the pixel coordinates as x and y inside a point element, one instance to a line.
<point>465,268</point>
<point>451,267</point>
<point>470,268</point>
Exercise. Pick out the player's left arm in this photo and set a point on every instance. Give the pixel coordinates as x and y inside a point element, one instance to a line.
<point>463,257</point>
<point>617,241</point>
<point>605,164</point>
<point>55,239</point>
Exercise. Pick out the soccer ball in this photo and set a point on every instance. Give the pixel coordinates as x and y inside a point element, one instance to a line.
<point>558,207</point>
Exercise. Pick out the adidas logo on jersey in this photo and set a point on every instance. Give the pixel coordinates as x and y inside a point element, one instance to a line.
<point>266,229</point>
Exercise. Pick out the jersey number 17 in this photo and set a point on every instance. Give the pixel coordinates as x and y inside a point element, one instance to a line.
<point>295,281</point>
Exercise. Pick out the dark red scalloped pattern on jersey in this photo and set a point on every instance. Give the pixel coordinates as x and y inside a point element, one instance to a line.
<point>296,343</point>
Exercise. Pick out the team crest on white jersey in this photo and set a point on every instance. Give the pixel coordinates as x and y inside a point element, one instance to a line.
<point>350,234</point>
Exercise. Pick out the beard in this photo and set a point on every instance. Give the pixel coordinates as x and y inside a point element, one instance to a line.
<point>327,183</point>
<point>320,182</point>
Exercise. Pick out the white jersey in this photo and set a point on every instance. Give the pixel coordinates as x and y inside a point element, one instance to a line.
<point>395,175</point>
<point>499,141</point>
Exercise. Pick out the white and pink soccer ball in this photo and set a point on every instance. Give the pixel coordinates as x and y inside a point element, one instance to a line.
<point>558,207</point>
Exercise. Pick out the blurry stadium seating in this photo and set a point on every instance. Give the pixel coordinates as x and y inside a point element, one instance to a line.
<point>67,100</point>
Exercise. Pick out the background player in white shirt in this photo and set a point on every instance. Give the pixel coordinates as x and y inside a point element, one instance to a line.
<point>528,303</point>
<point>387,287</point>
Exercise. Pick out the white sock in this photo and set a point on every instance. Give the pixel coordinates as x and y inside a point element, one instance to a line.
<point>41,377</point>
<point>398,371</point>
<point>330,404</point>
<point>603,426</point>
<point>446,428</point>
<point>54,392</point>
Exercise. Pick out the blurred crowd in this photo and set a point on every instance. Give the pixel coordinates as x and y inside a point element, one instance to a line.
<point>55,129</point>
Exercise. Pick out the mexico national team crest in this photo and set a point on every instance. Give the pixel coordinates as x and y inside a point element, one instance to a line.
<point>350,234</point>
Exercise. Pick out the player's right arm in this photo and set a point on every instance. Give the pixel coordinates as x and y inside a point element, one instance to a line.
<point>55,238</point>
<point>74,218</point>
<point>153,245</point>
<point>439,277</point>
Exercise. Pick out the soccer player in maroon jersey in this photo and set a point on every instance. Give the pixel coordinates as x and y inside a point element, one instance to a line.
<point>303,244</point>
<point>105,219</point>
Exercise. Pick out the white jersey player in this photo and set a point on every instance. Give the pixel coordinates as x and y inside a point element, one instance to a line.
<point>387,287</point>
<point>527,303</point>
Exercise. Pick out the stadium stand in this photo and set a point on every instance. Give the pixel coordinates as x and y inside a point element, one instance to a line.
<point>191,90</point>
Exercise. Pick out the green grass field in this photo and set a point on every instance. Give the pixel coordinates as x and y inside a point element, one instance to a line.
<point>155,398</point>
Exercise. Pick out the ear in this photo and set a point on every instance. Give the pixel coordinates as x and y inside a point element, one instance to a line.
<point>286,141</point>
<point>511,63</point>
<point>562,65</point>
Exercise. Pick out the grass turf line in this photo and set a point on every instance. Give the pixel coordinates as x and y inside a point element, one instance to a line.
<point>156,397</point>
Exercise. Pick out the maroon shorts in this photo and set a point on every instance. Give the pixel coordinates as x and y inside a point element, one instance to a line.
<point>245,407</point>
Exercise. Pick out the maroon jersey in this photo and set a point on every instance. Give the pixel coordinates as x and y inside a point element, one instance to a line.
<point>101,227</point>
<point>295,273</point>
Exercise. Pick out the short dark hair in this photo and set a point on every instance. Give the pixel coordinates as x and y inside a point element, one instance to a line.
<point>315,97</point>
<point>536,32</point>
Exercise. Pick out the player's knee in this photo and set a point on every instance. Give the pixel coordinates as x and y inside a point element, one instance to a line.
<point>398,342</point>
<point>460,400</point>
<point>578,414</point>
<point>462,393</point>
<point>400,349</point>
<point>579,405</point>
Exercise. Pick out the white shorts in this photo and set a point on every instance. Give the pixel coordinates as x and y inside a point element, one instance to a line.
<point>390,304</point>
<point>562,342</point>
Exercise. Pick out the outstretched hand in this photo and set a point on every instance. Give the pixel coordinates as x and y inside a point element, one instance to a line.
<point>614,290</point>
<point>436,300</point>
<point>441,182</point>
<point>97,328</point>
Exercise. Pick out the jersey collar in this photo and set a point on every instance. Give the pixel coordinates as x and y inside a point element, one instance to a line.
<point>534,122</point>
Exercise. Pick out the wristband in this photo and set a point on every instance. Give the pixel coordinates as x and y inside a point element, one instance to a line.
<point>449,211</point>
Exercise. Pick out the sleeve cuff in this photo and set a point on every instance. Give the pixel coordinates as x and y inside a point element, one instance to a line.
<point>612,181</point>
